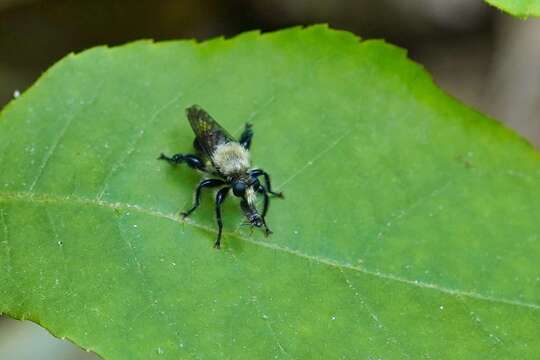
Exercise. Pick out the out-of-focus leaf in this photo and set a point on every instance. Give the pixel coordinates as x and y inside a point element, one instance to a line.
<point>519,8</point>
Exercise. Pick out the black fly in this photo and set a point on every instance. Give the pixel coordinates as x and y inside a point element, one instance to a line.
<point>218,154</point>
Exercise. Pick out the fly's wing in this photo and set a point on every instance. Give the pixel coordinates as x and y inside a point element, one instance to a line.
<point>208,133</point>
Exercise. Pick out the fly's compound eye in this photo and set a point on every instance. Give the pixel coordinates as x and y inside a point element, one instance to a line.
<point>239,188</point>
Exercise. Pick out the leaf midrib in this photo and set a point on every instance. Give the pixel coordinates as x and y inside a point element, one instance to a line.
<point>77,200</point>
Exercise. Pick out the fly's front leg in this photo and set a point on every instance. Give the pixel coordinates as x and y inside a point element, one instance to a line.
<point>266,200</point>
<point>247,135</point>
<point>266,203</point>
<point>220,197</point>
<point>260,172</point>
<point>208,183</point>
<point>193,161</point>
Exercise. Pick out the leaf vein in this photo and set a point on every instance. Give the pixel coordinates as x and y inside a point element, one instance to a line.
<point>9,266</point>
<point>50,153</point>
<point>75,200</point>
<point>372,314</point>
<point>266,320</point>
<point>315,158</point>
<point>57,141</point>
<point>133,145</point>
<point>401,214</point>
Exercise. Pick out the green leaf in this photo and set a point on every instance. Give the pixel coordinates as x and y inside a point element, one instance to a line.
<point>519,8</point>
<point>410,228</point>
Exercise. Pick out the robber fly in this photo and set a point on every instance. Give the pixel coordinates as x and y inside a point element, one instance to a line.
<point>219,155</point>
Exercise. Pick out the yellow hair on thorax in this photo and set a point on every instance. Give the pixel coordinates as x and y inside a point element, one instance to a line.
<point>231,158</point>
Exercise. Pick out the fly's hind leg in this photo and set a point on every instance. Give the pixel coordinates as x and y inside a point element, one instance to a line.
<point>193,161</point>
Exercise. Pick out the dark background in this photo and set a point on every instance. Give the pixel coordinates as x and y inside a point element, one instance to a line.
<point>481,56</point>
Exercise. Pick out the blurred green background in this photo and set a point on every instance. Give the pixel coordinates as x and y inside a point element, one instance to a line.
<point>481,56</point>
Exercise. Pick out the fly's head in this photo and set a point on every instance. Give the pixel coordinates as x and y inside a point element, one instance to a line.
<point>246,188</point>
<point>253,217</point>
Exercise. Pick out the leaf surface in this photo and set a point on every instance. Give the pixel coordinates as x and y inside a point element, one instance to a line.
<point>410,227</point>
<point>519,8</point>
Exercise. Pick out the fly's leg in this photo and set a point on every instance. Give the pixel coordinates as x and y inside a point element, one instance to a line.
<point>247,135</point>
<point>260,172</point>
<point>220,197</point>
<point>208,183</point>
<point>266,203</point>
<point>262,190</point>
<point>193,161</point>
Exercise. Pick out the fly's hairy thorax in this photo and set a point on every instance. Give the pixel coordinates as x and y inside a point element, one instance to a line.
<point>231,159</point>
